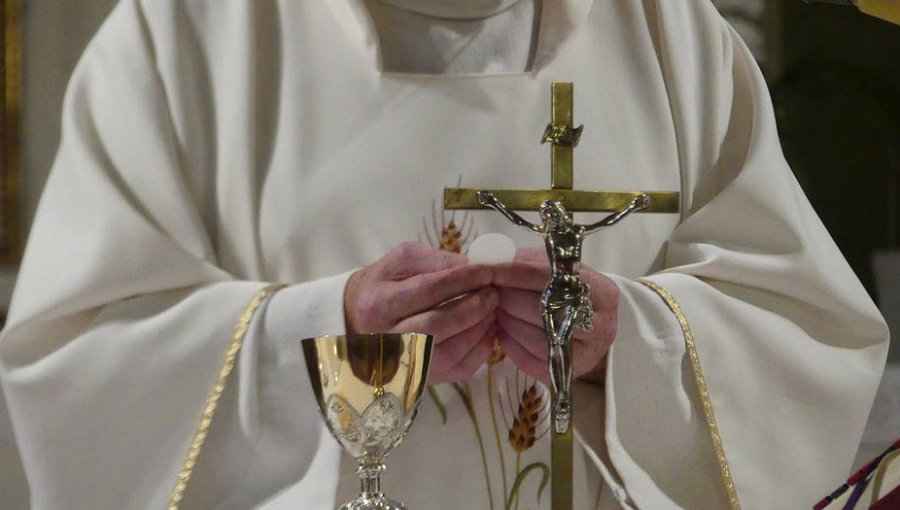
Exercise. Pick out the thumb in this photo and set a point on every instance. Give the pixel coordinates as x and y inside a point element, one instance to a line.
<point>410,259</point>
<point>531,254</point>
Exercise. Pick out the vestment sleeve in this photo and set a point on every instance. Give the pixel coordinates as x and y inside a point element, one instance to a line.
<point>743,372</point>
<point>123,313</point>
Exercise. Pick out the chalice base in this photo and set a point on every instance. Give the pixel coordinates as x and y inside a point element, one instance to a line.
<point>373,503</point>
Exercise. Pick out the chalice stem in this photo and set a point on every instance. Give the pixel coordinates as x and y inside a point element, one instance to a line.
<point>370,480</point>
<point>371,494</point>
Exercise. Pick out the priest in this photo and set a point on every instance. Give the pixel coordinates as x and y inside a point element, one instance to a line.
<point>235,176</point>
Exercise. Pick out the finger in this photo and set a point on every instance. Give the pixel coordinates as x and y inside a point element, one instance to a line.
<point>587,350</point>
<point>473,360</point>
<point>531,355</point>
<point>454,317</point>
<point>604,291</point>
<point>412,258</point>
<point>523,359</point>
<point>605,301</point>
<point>528,336</point>
<point>450,352</point>
<point>597,374</point>
<point>519,275</point>
<point>586,356</point>
<point>532,254</point>
<point>529,352</point>
<point>398,300</point>
<point>492,331</point>
<point>524,305</point>
<point>601,324</point>
<point>603,329</point>
<point>605,326</point>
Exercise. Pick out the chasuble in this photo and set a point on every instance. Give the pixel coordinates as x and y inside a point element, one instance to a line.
<point>211,149</point>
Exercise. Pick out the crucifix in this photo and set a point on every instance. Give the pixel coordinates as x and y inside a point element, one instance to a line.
<point>565,303</point>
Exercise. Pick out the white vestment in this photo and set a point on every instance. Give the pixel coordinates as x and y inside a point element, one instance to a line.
<point>212,148</point>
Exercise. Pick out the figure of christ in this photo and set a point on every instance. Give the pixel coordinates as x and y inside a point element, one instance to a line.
<point>566,301</point>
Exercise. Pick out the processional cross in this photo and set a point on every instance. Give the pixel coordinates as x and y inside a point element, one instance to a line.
<point>565,303</point>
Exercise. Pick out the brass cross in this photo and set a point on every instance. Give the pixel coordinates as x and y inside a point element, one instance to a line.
<point>563,137</point>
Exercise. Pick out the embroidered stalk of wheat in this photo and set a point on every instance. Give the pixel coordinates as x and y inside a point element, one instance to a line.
<point>451,237</point>
<point>445,233</point>
<point>529,422</point>
<point>523,432</point>
<point>496,357</point>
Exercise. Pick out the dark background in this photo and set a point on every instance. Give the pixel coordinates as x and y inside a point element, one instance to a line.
<point>837,96</point>
<point>835,81</point>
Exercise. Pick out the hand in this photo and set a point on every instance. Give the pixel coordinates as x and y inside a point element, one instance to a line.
<point>521,329</point>
<point>641,202</point>
<point>486,199</point>
<point>415,288</point>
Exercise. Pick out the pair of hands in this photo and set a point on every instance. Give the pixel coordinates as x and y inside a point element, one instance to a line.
<point>415,288</point>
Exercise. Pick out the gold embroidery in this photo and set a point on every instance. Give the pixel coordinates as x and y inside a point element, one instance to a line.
<point>212,400</point>
<point>719,448</point>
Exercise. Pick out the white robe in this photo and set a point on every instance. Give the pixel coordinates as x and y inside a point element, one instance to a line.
<point>210,148</point>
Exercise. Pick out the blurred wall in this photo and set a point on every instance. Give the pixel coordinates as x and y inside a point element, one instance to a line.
<point>838,101</point>
<point>54,34</point>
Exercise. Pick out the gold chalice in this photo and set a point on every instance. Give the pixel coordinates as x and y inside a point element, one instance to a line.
<point>368,388</point>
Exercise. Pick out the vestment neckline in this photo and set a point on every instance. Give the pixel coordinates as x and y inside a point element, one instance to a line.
<point>560,22</point>
<point>455,9</point>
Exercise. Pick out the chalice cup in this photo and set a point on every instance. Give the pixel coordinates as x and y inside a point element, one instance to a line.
<point>368,388</point>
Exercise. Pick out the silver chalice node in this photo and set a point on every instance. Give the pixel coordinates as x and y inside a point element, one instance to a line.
<point>368,388</point>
